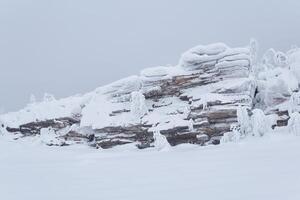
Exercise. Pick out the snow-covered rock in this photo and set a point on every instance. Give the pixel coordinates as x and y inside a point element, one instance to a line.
<point>211,90</point>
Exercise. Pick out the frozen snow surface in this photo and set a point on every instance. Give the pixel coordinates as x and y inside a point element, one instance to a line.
<point>260,169</point>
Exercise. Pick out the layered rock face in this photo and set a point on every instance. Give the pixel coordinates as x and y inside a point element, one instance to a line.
<point>194,102</point>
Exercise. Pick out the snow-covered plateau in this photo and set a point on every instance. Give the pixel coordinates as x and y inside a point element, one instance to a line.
<point>156,135</point>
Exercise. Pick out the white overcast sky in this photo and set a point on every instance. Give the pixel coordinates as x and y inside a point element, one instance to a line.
<point>66,47</point>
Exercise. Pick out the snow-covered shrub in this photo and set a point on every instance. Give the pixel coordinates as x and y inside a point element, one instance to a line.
<point>191,125</point>
<point>244,121</point>
<point>48,97</point>
<point>256,125</point>
<point>294,123</point>
<point>253,51</point>
<point>203,101</point>
<point>233,136</point>
<point>259,122</point>
<point>241,129</point>
<point>32,99</point>
<point>281,59</point>
<point>160,141</point>
<point>138,105</point>
<point>273,59</point>
<point>274,85</point>
<point>268,58</point>
<point>294,62</point>
<point>49,137</point>
<point>294,102</point>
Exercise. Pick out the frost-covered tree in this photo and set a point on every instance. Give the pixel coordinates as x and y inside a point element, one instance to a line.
<point>138,107</point>
<point>253,51</point>
<point>259,122</point>
<point>233,136</point>
<point>244,121</point>
<point>204,103</point>
<point>294,102</point>
<point>191,125</point>
<point>256,125</point>
<point>268,58</point>
<point>240,130</point>
<point>32,99</point>
<point>294,123</point>
<point>160,141</point>
<point>281,59</point>
<point>48,136</point>
<point>48,97</point>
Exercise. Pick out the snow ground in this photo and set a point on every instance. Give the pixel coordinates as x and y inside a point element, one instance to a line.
<point>260,169</point>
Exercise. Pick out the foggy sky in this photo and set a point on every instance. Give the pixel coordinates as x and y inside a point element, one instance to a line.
<point>66,47</point>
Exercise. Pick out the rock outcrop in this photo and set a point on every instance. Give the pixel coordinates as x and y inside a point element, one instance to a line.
<point>194,102</point>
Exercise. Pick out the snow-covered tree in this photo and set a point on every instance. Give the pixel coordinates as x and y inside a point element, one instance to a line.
<point>191,125</point>
<point>294,123</point>
<point>281,59</point>
<point>259,122</point>
<point>204,102</point>
<point>294,102</point>
<point>48,97</point>
<point>244,121</point>
<point>32,99</point>
<point>48,136</point>
<point>160,141</point>
<point>233,136</point>
<point>256,125</point>
<point>253,51</point>
<point>138,107</point>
